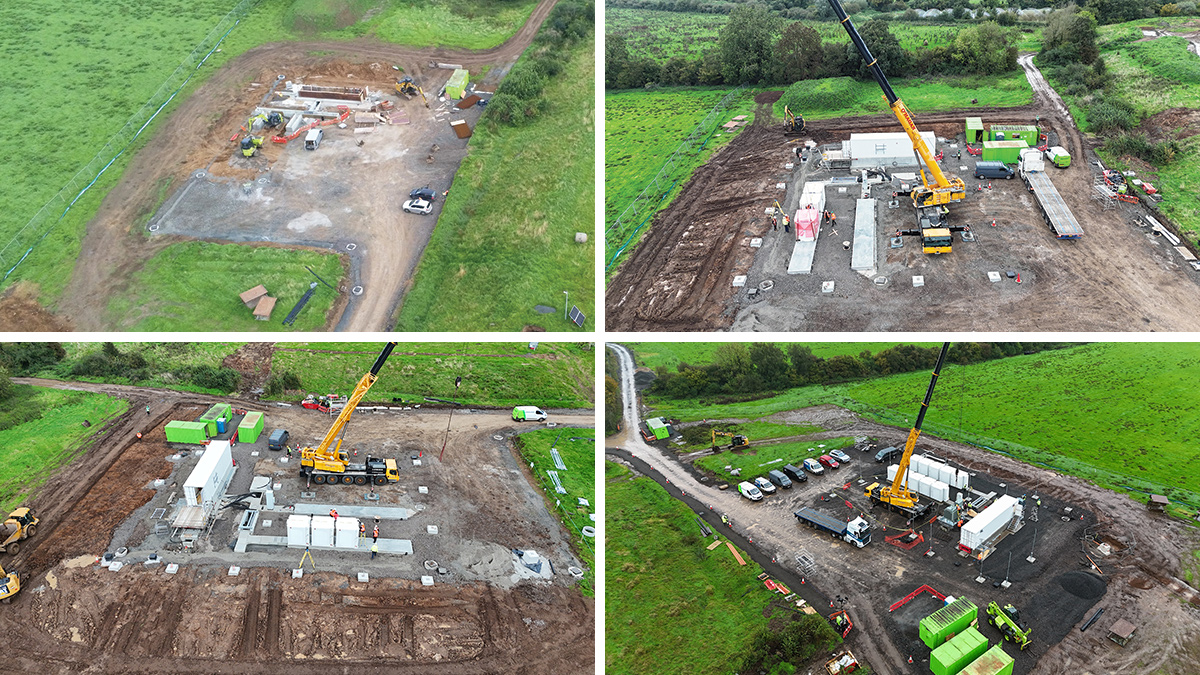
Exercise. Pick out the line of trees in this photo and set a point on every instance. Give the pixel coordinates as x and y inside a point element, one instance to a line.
<point>757,46</point>
<point>761,368</point>
<point>109,364</point>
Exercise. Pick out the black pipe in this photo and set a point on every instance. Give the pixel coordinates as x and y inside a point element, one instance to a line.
<point>1091,620</point>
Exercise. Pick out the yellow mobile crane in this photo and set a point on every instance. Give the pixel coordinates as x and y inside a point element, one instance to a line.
<point>943,190</point>
<point>897,496</point>
<point>328,463</point>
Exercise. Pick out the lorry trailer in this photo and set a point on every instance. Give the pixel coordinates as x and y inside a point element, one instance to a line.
<point>1054,210</point>
<point>857,531</point>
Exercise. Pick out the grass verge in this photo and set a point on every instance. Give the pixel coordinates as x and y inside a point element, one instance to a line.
<point>579,480</point>
<point>671,354</point>
<point>32,451</point>
<point>758,460</point>
<point>505,242</point>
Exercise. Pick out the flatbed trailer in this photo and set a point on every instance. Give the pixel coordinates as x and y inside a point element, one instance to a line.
<point>857,531</point>
<point>1057,215</point>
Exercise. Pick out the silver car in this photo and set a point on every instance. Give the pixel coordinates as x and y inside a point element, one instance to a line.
<point>418,206</point>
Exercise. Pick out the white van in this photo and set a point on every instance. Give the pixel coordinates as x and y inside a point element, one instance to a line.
<point>312,140</point>
<point>528,413</point>
<point>749,491</point>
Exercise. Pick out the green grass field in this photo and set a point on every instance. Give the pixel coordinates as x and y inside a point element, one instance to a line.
<point>1115,413</point>
<point>31,452</point>
<point>468,24</point>
<point>194,287</point>
<point>758,460</point>
<point>505,240</point>
<point>661,584</point>
<point>643,129</point>
<point>579,480</point>
<point>671,354</point>
<point>556,376</point>
<point>845,97</point>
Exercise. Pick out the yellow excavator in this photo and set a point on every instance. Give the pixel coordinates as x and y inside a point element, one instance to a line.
<point>10,583</point>
<point>410,89</point>
<point>793,125</point>
<point>328,463</point>
<point>735,440</point>
<point>897,496</point>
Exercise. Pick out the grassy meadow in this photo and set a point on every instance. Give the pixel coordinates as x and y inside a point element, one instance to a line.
<point>579,480</point>
<point>659,571</point>
<point>846,97</point>
<point>505,240</point>
<point>758,460</point>
<point>1119,414</point>
<point>458,24</point>
<point>493,374</point>
<point>194,286</point>
<point>671,354</point>
<point>31,452</point>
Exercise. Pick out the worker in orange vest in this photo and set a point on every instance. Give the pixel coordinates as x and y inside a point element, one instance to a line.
<point>375,534</point>
<point>333,514</point>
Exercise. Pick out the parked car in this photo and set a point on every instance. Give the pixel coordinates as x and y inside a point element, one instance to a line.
<point>828,462</point>
<point>794,472</point>
<point>426,193</point>
<point>840,456</point>
<point>765,485</point>
<point>277,440</point>
<point>779,478</point>
<point>888,454</point>
<point>749,491</point>
<point>813,466</point>
<point>418,206</point>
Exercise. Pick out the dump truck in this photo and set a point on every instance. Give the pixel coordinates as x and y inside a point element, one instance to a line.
<point>10,583</point>
<point>20,525</point>
<point>857,531</point>
<point>1054,210</point>
<point>1008,622</point>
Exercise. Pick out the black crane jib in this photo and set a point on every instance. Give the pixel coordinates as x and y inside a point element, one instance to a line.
<point>871,61</point>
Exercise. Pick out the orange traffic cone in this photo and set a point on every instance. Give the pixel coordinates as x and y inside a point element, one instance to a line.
<point>993,222</point>
<point>1018,278</point>
<point>910,659</point>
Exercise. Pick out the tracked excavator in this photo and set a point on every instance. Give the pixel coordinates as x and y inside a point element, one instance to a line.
<point>937,190</point>
<point>409,88</point>
<point>793,125</point>
<point>735,440</point>
<point>328,463</point>
<point>897,496</point>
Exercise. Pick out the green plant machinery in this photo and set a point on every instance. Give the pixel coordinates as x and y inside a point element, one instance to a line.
<point>1008,621</point>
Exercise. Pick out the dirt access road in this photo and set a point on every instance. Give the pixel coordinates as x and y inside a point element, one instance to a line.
<point>1117,278</point>
<point>1140,581</point>
<point>73,616</point>
<point>113,249</point>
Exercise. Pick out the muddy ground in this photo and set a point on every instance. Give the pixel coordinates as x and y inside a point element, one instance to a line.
<point>1056,593</point>
<point>197,133</point>
<point>1118,277</point>
<point>73,615</point>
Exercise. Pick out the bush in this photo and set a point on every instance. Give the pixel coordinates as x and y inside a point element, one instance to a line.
<point>214,377</point>
<point>1137,145</point>
<point>23,359</point>
<point>1111,114</point>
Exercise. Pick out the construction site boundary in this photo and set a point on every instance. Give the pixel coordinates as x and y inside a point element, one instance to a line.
<point>22,244</point>
<point>652,197</point>
<point>573,521</point>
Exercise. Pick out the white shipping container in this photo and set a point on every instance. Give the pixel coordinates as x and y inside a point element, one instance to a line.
<point>985,525</point>
<point>964,480</point>
<point>943,473</point>
<point>346,533</point>
<point>918,464</point>
<point>205,486</point>
<point>297,530</point>
<point>940,492</point>
<point>925,486</point>
<point>891,473</point>
<point>322,531</point>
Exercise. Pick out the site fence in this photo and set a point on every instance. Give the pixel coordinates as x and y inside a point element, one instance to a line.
<point>565,505</point>
<point>1026,454</point>
<point>625,228</point>
<point>17,249</point>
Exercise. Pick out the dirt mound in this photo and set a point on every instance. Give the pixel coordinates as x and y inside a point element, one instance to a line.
<point>253,361</point>
<point>20,311</point>
<point>1173,124</point>
<point>1082,585</point>
<point>768,97</point>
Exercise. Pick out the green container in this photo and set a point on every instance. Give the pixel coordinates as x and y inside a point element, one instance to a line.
<point>250,427</point>
<point>659,427</point>
<point>994,661</point>
<point>958,653</point>
<point>186,432</point>
<point>975,133</point>
<point>1014,132</point>
<point>948,621</point>
<point>219,411</point>
<point>457,86</point>
<point>1008,152</point>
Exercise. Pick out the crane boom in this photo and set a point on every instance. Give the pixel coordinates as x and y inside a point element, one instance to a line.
<point>328,456</point>
<point>897,494</point>
<point>944,190</point>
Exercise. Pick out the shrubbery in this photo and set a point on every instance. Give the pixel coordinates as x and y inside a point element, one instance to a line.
<point>23,359</point>
<point>776,652</point>
<point>277,384</point>
<point>1137,145</point>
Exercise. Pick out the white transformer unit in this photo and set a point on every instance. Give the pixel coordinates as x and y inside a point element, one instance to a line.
<point>920,465</point>
<point>939,491</point>
<point>887,150</point>
<point>986,525</point>
<point>298,530</point>
<point>964,480</point>
<point>924,486</point>
<point>322,531</point>
<point>206,485</point>
<point>346,533</point>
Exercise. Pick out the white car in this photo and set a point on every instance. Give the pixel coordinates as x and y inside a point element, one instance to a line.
<point>418,206</point>
<point>749,491</point>
<point>765,485</point>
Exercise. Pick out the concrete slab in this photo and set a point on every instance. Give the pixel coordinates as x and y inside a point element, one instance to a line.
<point>802,257</point>
<point>863,257</point>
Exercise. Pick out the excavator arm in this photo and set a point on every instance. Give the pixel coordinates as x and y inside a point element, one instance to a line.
<point>329,451</point>
<point>943,190</point>
<point>898,494</point>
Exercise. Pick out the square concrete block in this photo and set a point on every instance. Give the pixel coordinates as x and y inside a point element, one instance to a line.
<point>279,486</point>
<point>994,277</point>
<point>781,186</point>
<point>115,565</point>
<point>826,286</point>
<point>739,281</point>
<point>426,581</point>
<point>422,489</point>
<point>281,460</point>
<point>254,453</point>
<point>431,529</point>
<point>266,523</point>
<point>756,242</point>
<point>172,568</point>
<point>234,570</point>
<point>918,281</point>
<point>298,573</point>
<point>362,577</point>
<point>416,462</point>
<point>789,166</point>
